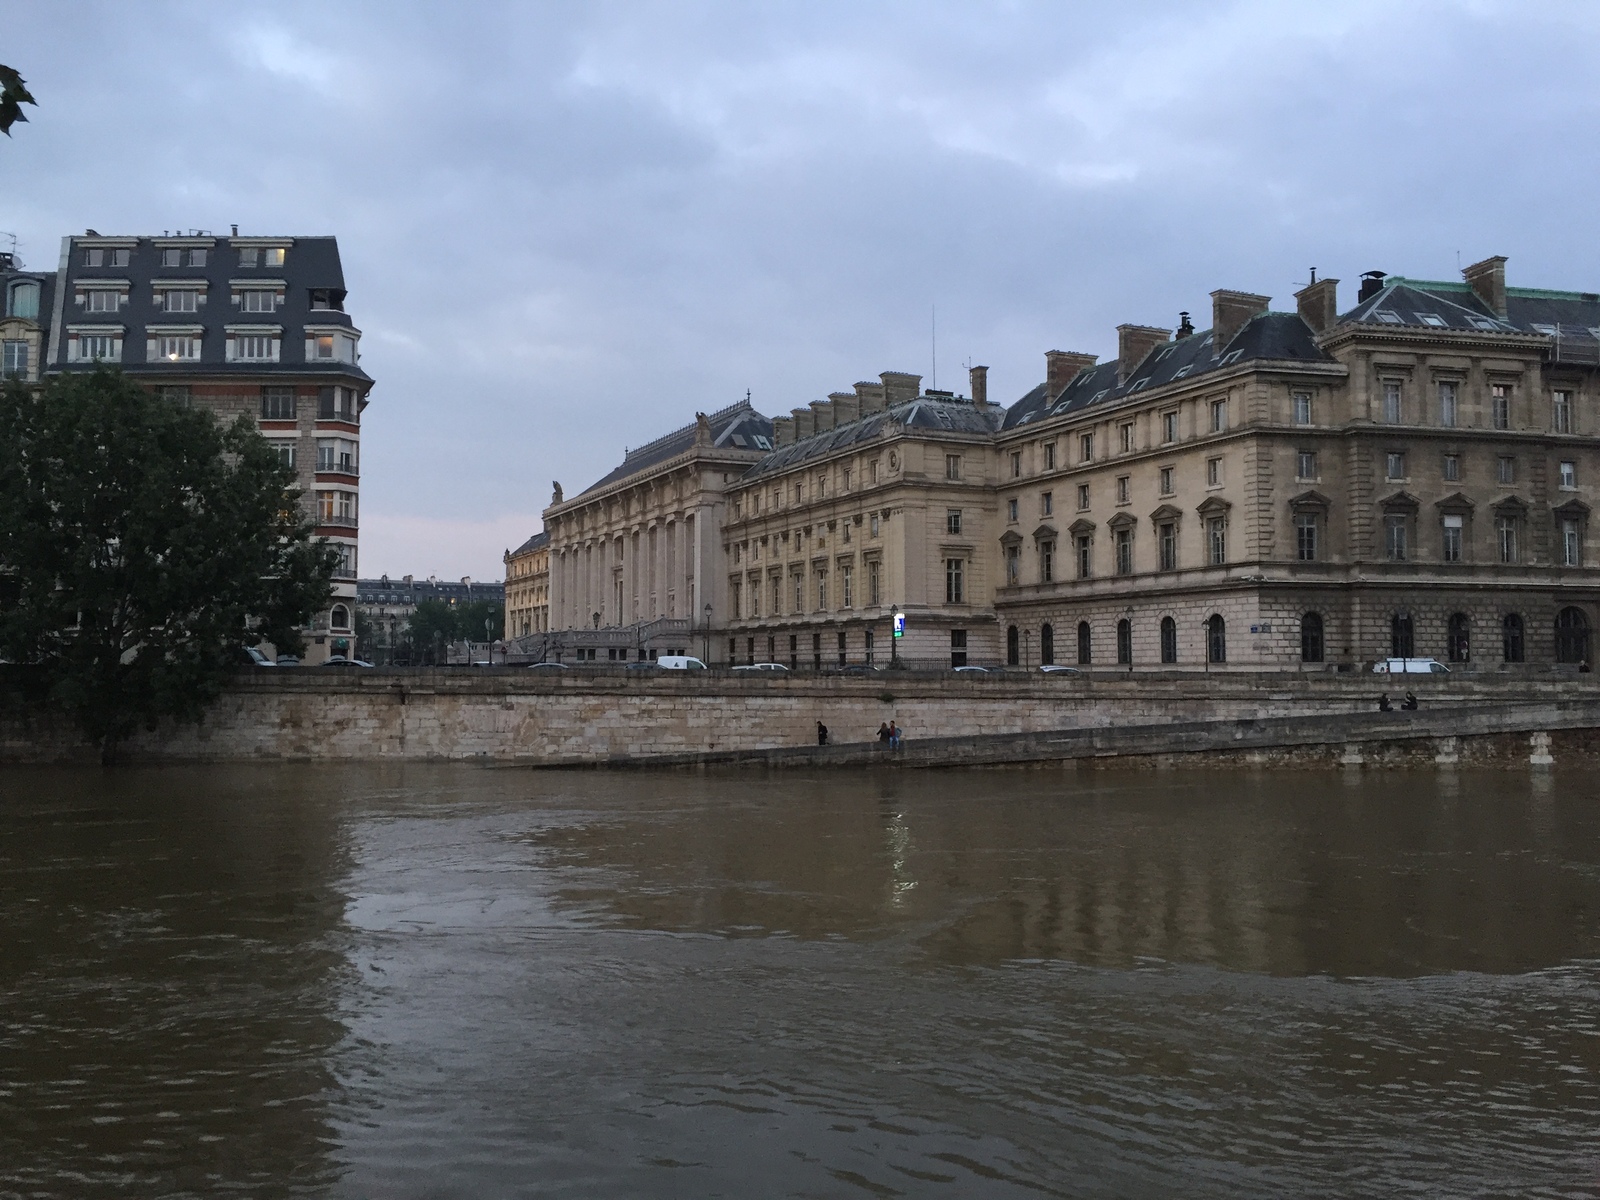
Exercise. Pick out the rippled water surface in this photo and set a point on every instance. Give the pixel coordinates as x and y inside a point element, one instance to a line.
<point>459,982</point>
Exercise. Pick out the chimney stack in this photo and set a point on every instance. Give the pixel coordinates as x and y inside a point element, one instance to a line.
<point>1487,279</point>
<point>1318,304</point>
<point>803,427</point>
<point>1061,367</point>
<point>1231,312</point>
<point>1371,285</point>
<point>782,431</point>
<point>1134,343</point>
<point>846,407</point>
<point>900,387</point>
<point>978,378</point>
<point>1185,327</point>
<point>821,416</point>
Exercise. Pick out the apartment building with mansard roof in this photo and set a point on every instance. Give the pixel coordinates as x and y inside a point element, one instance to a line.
<point>238,324</point>
<point>25,298</point>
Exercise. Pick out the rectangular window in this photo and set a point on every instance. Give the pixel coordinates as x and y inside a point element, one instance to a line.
<point>958,647</point>
<point>952,466</point>
<point>1505,470</point>
<point>249,256</point>
<point>273,256</point>
<point>1305,537</point>
<point>1047,503</point>
<point>1452,468</point>
<point>277,404</point>
<point>1217,540</point>
<point>846,477</point>
<point>1167,540</point>
<point>94,256</point>
<point>1452,538</point>
<point>1571,545</point>
<point>255,347</point>
<point>262,302</point>
<point>1501,406</point>
<point>775,588</point>
<point>822,591</point>
<point>197,257</point>
<point>119,257</point>
<point>1306,464</point>
<point>1169,426</point>
<point>102,300</point>
<point>1047,561</point>
<point>1447,405</point>
<point>322,346</point>
<point>325,507</point>
<point>1125,432</point>
<point>1165,477</point>
<point>1124,548</point>
<point>1213,472</point>
<point>1049,456</point>
<point>1219,415</point>
<point>1391,401</point>
<point>874,583</point>
<point>15,362</point>
<point>181,300</point>
<point>1085,556</point>
<point>1013,565</point>
<point>1394,465</point>
<point>1086,447</point>
<point>177,348</point>
<point>1016,464</point>
<point>1011,511</point>
<point>846,591</point>
<point>1302,408</point>
<point>339,454</point>
<point>1394,538</point>
<point>1124,485</point>
<point>92,347</point>
<point>799,593</point>
<point>873,524</point>
<point>171,258</point>
<point>1561,412</point>
<point>1083,497</point>
<point>176,393</point>
<point>952,520</point>
<point>1506,534</point>
<point>738,600</point>
<point>285,452</point>
<point>336,404</point>
<point>1569,475</point>
<point>954,593</point>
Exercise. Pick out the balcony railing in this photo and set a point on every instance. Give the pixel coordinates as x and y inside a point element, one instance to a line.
<point>342,522</point>
<point>344,572</point>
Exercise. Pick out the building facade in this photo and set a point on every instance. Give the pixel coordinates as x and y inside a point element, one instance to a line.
<point>1303,490</point>
<point>25,300</point>
<point>385,607</point>
<point>238,325</point>
<point>528,589</point>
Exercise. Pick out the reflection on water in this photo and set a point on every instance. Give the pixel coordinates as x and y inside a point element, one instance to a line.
<point>447,981</point>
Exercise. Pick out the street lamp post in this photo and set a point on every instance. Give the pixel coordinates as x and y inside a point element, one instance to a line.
<point>705,645</point>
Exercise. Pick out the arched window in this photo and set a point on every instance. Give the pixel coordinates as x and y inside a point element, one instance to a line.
<point>1458,640</point>
<point>1047,645</point>
<point>24,300</point>
<point>1169,640</point>
<point>1084,657</point>
<point>1402,641</point>
<point>1013,653</point>
<point>1511,642</point>
<point>340,617</point>
<point>1216,639</point>
<point>1311,637</point>
<point>1124,643</point>
<point>1572,636</point>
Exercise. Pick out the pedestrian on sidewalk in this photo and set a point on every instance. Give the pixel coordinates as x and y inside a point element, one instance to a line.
<point>822,734</point>
<point>894,736</point>
<point>883,734</point>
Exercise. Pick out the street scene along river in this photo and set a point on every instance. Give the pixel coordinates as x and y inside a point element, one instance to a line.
<point>449,981</point>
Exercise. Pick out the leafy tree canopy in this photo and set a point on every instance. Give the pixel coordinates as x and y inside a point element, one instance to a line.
<point>453,622</point>
<point>13,95</point>
<point>142,545</point>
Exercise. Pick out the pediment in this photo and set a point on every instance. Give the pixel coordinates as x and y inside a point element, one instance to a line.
<point>1511,504</point>
<point>1167,512</point>
<point>1123,520</point>
<point>1212,506</point>
<point>1401,500</point>
<point>1011,538</point>
<point>1455,502</point>
<point>1081,527</point>
<point>1044,533</point>
<point>1310,499</point>
<point>1572,509</point>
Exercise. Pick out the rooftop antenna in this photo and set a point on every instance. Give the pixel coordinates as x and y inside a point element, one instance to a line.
<point>933,327</point>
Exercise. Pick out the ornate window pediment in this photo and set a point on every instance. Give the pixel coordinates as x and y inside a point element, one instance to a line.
<point>1044,533</point>
<point>1455,502</point>
<point>1081,527</point>
<point>1122,521</point>
<point>1213,506</point>
<point>1400,502</point>
<point>1310,501</point>
<point>1572,510</point>
<point>1167,512</point>
<point>1011,538</point>
<point>1511,506</point>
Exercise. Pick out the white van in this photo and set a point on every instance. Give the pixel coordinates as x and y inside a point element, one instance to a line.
<point>1409,666</point>
<point>679,662</point>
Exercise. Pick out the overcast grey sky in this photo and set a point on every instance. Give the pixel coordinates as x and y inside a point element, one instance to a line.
<point>567,227</point>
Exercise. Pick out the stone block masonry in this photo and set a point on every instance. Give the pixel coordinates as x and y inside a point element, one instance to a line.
<point>570,719</point>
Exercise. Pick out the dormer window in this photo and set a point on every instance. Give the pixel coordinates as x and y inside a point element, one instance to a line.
<point>258,301</point>
<point>1547,330</point>
<point>326,299</point>
<point>102,300</point>
<point>181,300</point>
<point>172,257</point>
<point>1433,319</point>
<point>1386,317</point>
<point>24,300</point>
<point>105,256</point>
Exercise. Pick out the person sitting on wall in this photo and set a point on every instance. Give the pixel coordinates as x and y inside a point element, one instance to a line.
<point>1383,703</point>
<point>822,734</point>
<point>1410,702</point>
<point>894,736</point>
<point>883,734</point>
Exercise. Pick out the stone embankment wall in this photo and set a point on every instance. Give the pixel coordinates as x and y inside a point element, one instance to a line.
<point>554,719</point>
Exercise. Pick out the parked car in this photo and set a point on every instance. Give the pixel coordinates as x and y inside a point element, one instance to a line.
<point>257,658</point>
<point>547,666</point>
<point>339,660</point>
<point>287,660</point>
<point>1057,669</point>
<point>971,670</point>
<point>679,662</point>
<point>1409,666</point>
<point>764,668</point>
<point>644,664</point>
<point>860,669</point>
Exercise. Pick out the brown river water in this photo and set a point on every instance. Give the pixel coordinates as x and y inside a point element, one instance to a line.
<point>449,981</point>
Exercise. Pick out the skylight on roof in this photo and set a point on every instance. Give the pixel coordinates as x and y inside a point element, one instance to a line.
<point>1139,384</point>
<point>1232,358</point>
<point>1547,330</point>
<point>1164,353</point>
<point>1183,370</point>
<point>1433,319</point>
<point>1387,317</point>
<point>1099,396</point>
<point>1484,323</point>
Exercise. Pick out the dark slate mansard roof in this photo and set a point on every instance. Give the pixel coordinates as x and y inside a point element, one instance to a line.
<point>737,427</point>
<point>370,591</point>
<point>925,412</point>
<point>310,264</point>
<point>1270,335</point>
<point>539,539</point>
<point>1571,319</point>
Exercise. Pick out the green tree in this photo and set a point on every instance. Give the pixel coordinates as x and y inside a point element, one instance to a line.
<point>144,544</point>
<point>432,626</point>
<point>13,95</point>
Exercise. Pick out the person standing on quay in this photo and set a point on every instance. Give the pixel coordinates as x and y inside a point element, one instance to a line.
<point>822,734</point>
<point>894,736</point>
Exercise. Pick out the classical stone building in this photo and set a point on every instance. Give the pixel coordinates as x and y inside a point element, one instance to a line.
<point>25,298</point>
<point>1298,490</point>
<point>528,588</point>
<point>386,606</point>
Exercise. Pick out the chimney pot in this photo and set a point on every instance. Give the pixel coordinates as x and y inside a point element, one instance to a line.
<point>235,231</point>
<point>1134,343</point>
<point>1371,285</point>
<point>1185,327</point>
<point>1487,279</point>
<point>1318,304</point>
<point>1231,312</point>
<point>978,379</point>
<point>1061,367</point>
